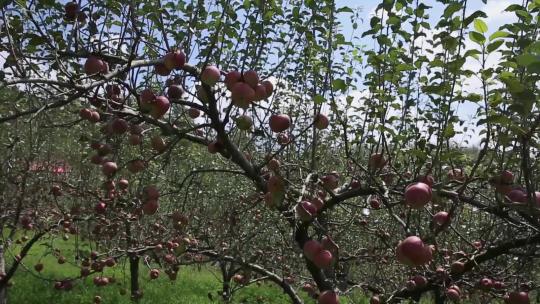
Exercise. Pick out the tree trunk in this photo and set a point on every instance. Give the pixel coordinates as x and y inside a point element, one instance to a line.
<point>134,277</point>
<point>3,287</point>
<point>439,297</point>
<point>226,288</point>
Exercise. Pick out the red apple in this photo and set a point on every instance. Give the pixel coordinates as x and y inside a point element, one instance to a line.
<point>377,161</point>
<point>269,88</point>
<point>109,168</point>
<point>174,60</point>
<point>413,252</point>
<point>453,295</point>
<point>158,144</point>
<point>194,113</point>
<point>279,122</point>
<point>85,114</point>
<point>100,208</point>
<point>95,117</point>
<point>321,121</point>
<point>242,95</point>
<point>507,177</point>
<point>260,92</point>
<point>210,75</point>
<point>175,91</point>
<point>427,179</point>
<point>231,78</point>
<point>375,300</point>
<point>150,207</point>
<point>214,147</point>
<point>135,139</point>
<point>123,183</point>
<point>136,165</point>
<point>328,297</point>
<point>161,69</point>
<point>119,126</point>
<point>457,267</point>
<point>93,65</point>
<point>305,211</point>
<point>518,297</point>
<point>441,218</point>
<point>151,192</point>
<point>323,259</point>
<point>311,248</point>
<point>417,195</point>
<point>160,106</point>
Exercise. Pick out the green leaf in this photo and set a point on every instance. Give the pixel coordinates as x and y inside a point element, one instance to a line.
<point>499,34</point>
<point>494,45</point>
<point>477,37</point>
<point>318,99</point>
<point>339,84</point>
<point>527,59</point>
<point>480,26</point>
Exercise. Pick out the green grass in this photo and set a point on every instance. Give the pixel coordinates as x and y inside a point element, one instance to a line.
<point>192,286</point>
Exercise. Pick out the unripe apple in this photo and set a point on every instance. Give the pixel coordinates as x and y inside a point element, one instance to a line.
<point>417,195</point>
<point>242,95</point>
<point>210,75</point>
<point>174,60</point>
<point>244,122</point>
<point>323,259</point>
<point>328,297</point>
<point>279,122</point>
<point>109,168</point>
<point>175,91</point>
<point>231,78</point>
<point>321,121</point>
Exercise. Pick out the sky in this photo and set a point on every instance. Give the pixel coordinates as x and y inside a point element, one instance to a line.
<point>496,18</point>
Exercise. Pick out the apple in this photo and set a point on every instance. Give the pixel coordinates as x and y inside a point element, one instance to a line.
<point>275,184</point>
<point>329,244</point>
<point>175,91</point>
<point>279,122</point>
<point>160,106</point>
<point>375,203</point>
<point>417,195</point>
<point>321,121</point>
<point>355,184</point>
<point>110,262</point>
<point>441,218</point>
<point>194,112</point>
<point>95,117</point>
<point>485,283</point>
<point>456,174</point>
<point>251,78</point>
<point>323,259</point>
<point>498,285</point>
<point>260,92</point>
<point>136,129</point>
<point>210,75</point>
<point>109,168</point>
<point>457,267</point>
<point>328,297</point>
<point>375,300</point>
<point>420,281</point>
<point>273,164</point>
<point>410,285</point>
<point>56,190</point>
<point>85,271</point>
<point>215,147</point>
<point>242,95</point>
<point>112,90</point>
<point>517,195</point>
<point>150,207</point>
<point>427,179</point>
<point>38,267</point>
<point>135,139</point>
<point>330,181</point>
<point>283,139</point>
<point>136,165</point>
<point>231,78</point>
<point>305,211</point>
<point>123,183</point>
<point>161,69</point>
<point>269,88</point>
<point>376,161</point>
<point>119,126</point>
<point>97,299</point>
<point>244,122</point>
<point>413,252</point>
<point>104,149</point>
<point>85,114</point>
<point>151,192</point>
<point>518,297</point>
<point>174,60</point>
<point>507,177</point>
<point>158,144</point>
<point>311,248</point>
<point>147,97</point>
<point>71,10</point>
<point>100,208</point>
<point>93,65</point>
<point>317,202</point>
<point>453,295</point>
